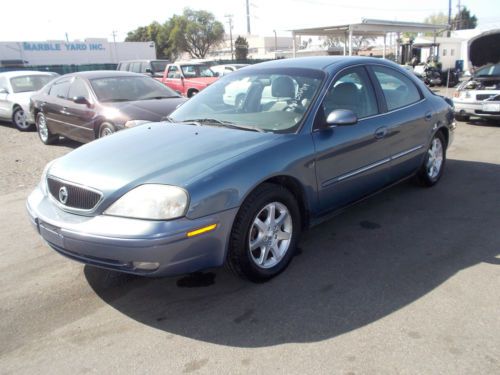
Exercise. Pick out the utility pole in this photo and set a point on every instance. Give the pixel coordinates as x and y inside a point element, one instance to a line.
<point>449,18</point>
<point>230,21</point>
<point>114,44</point>
<point>459,17</point>
<point>248,17</point>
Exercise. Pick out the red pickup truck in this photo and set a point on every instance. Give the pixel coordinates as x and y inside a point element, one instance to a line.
<point>188,78</point>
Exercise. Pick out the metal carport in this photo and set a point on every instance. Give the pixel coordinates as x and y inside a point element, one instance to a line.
<point>367,28</point>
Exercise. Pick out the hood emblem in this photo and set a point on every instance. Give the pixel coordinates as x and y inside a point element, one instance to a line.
<point>63,195</point>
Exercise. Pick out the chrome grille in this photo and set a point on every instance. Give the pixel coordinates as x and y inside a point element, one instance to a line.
<point>77,197</point>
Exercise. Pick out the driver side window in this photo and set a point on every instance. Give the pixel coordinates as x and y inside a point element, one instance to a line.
<point>351,90</point>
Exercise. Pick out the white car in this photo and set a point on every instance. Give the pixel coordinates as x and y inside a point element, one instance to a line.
<point>479,96</point>
<point>223,70</point>
<point>16,89</point>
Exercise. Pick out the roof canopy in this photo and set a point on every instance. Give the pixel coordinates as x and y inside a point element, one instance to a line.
<point>371,27</point>
<point>368,28</point>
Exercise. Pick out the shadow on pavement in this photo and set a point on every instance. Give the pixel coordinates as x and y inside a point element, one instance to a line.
<point>363,265</point>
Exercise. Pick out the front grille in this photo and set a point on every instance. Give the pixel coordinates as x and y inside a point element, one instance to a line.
<point>77,197</point>
<point>484,96</point>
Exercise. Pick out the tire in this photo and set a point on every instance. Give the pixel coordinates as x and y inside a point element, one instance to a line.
<point>462,118</point>
<point>192,93</point>
<point>433,166</point>
<point>256,251</point>
<point>20,120</point>
<point>46,136</point>
<point>106,129</point>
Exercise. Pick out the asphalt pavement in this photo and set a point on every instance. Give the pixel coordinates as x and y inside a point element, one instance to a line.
<point>407,282</point>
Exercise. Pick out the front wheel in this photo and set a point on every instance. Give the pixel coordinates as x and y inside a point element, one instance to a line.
<point>20,120</point>
<point>265,233</point>
<point>46,136</point>
<point>432,169</point>
<point>106,129</point>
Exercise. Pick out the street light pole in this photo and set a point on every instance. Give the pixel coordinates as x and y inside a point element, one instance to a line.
<point>230,21</point>
<point>275,43</point>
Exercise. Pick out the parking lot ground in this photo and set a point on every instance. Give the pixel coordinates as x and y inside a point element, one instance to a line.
<point>407,282</point>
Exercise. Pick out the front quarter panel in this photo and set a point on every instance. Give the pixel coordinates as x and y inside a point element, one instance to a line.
<point>227,185</point>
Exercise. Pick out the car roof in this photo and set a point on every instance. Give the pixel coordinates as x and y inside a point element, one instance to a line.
<point>20,73</point>
<point>103,74</point>
<point>321,62</point>
<point>141,60</point>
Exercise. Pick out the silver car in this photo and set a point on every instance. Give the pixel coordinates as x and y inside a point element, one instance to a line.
<point>16,89</point>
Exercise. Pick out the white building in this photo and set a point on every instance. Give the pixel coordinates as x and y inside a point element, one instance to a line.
<point>89,51</point>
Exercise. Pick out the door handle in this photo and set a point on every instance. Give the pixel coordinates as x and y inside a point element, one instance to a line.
<point>381,132</point>
<point>428,116</point>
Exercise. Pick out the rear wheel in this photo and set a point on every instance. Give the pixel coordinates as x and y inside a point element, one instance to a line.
<point>432,169</point>
<point>46,136</point>
<point>20,119</point>
<point>265,234</point>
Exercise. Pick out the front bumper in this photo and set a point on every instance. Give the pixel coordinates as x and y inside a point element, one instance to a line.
<point>473,108</point>
<point>119,243</point>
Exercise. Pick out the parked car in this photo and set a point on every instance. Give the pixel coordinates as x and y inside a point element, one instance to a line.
<point>16,88</point>
<point>479,96</point>
<point>154,68</point>
<point>239,185</point>
<point>222,70</point>
<point>88,105</point>
<point>188,78</point>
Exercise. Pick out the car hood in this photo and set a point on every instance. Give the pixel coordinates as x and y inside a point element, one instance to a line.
<point>481,52</point>
<point>164,153</point>
<point>149,110</point>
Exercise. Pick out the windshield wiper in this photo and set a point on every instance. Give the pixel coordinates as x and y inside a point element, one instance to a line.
<point>228,124</point>
<point>161,97</point>
<point>116,100</point>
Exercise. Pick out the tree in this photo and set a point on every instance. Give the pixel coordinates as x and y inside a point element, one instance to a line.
<point>195,32</point>
<point>464,20</point>
<point>436,19</point>
<point>156,33</point>
<point>241,48</point>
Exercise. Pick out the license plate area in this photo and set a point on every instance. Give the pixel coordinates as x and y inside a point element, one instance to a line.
<point>51,234</point>
<point>491,107</point>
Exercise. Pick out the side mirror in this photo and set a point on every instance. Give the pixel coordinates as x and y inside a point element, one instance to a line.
<point>341,117</point>
<point>4,91</point>
<point>149,71</point>
<point>217,74</point>
<point>81,100</point>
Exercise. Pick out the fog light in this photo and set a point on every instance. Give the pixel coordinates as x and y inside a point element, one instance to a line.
<point>146,266</point>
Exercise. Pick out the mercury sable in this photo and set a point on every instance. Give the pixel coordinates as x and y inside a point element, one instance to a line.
<point>231,184</point>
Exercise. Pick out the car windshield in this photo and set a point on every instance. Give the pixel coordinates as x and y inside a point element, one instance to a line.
<point>159,66</point>
<point>489,71</point>
<point>263,100</point>
<point>30,83</point>
<point>128,88</point>
<point>197,70</point>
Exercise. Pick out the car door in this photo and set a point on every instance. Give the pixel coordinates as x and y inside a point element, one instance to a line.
<point>351,160</point>
<point>80,116</point>
<point>55,106</point>
<point>173,79</point>
<point>409,118</point>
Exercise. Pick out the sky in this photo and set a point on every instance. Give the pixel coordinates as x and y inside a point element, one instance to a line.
<point>52,19</point>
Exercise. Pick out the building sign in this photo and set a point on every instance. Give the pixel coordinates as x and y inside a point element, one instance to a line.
<point>75,46</point>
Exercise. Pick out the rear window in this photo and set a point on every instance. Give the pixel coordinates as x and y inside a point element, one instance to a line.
<point>29,83</point>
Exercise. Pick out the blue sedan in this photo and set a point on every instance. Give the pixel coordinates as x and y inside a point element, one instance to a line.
<point>237,183</point>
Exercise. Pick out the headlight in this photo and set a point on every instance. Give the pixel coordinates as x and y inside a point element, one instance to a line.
<point>150,201</point>
<point>43,180</point>
<point>132,123</point>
